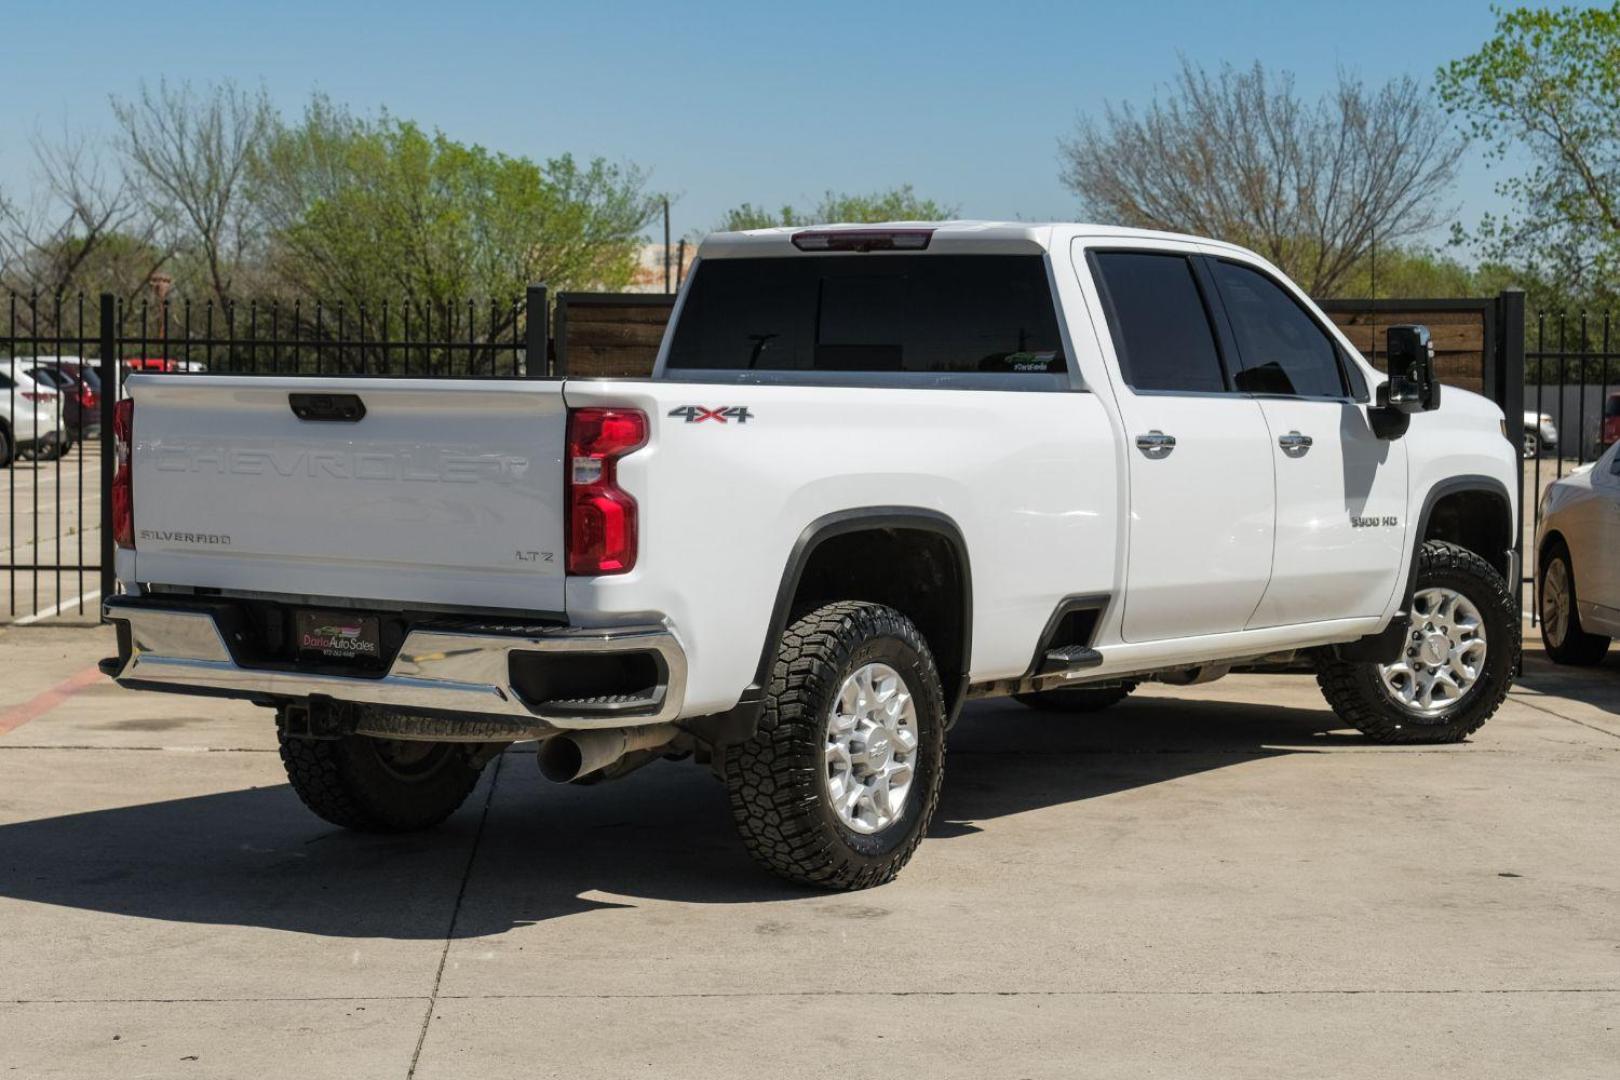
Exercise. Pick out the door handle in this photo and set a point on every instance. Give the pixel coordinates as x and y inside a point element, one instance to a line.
<point>1156,444</point>
<point>1294,444</point>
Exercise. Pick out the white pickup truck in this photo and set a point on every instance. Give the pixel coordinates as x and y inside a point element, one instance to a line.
<point>878,471</point>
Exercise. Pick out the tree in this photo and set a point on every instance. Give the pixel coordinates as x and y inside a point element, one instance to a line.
<point>1548,83</point>
<point>1408,271</point>
<point>84,231</point>
<point>361,209</point>
<point>1239,156</point>
<point>187,152</point>
<point>895,204</point>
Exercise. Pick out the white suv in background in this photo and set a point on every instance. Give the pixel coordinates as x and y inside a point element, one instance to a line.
<point>30,415</point>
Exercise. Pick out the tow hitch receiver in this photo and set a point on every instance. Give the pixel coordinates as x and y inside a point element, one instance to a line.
<point>318,717</point>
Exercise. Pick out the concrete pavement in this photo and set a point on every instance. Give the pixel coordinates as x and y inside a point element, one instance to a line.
<point>1211,881</point>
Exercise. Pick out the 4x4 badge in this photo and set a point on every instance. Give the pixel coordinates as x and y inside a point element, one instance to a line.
<point>696,414</point>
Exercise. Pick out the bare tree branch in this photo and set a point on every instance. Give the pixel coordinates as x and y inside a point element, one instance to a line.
<point>1238,156</point>
<point>84,230</point>
<point>188,152</point>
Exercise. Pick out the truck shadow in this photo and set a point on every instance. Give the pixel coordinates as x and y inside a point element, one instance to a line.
<point>255,857</point>
<point>1598,686</point>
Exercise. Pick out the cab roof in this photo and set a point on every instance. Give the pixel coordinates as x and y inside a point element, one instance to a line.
<point>960,236</point>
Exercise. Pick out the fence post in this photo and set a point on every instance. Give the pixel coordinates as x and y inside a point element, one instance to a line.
<point>109,457</point>
<point>537,314</point>
<point>1508,389</point>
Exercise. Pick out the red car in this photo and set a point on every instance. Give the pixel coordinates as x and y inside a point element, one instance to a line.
<point>152,364</point>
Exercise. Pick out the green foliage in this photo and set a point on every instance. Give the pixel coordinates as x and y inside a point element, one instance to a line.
<point>1548,82</point>
<point>895,204</point>
<point>362,209</point>
<point>1411,271</point>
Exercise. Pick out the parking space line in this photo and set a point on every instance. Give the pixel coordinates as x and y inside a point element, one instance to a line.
<point>56,609</point>
<point>43,702</point>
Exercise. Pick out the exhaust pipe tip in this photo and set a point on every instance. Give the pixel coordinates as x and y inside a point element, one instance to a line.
<point>561,759</point>
<point>567,757</point>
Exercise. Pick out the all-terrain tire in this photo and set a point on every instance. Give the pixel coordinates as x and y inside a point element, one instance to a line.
<point>778,781</point>
<point>1574,646</point>
<point>377,785</point>
<point>1356,691</point>
<point>1077,699</point>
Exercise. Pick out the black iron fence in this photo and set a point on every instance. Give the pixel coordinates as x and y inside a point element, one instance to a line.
<point>1571,404</point>
<point>50,483</point>
<point>414,339</point>
<point>63,361</point>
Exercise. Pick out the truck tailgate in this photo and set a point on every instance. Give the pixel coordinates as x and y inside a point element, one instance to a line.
<point>442,493</point>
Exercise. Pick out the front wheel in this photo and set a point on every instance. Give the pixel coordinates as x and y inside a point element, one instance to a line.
<point>838,785</point>
<point>380,785</point>
<point>1456,663</point>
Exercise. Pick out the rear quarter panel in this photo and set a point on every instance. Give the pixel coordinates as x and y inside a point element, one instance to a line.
<point>1028,478</point>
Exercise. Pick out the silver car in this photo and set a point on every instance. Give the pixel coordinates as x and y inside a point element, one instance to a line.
<point>1579,553</point>
<point>1540,434</point>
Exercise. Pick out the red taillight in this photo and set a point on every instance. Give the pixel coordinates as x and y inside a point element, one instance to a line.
<point>123,490</point>
<point>87,397</point>
<point>39,395</point>
<point>601,515</point>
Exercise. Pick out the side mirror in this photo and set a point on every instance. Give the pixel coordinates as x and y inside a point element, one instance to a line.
<point>1412,386</point>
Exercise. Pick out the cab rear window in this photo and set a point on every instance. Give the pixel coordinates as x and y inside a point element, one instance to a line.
<point>870,314</point>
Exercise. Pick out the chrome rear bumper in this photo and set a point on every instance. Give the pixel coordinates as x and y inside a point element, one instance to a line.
<point>445,671</point>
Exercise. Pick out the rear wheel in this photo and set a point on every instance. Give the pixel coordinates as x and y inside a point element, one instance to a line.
<point>6,450</point>
<point>1561,629</point>
<point>838,785</point>
<point>49,447</point>
<point>1077,699</point>
<point>1456,664</point>
<point>380,785</point>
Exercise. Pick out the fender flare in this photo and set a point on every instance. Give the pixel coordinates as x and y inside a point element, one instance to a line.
<point>1385,645</point>
<point>739,723</point>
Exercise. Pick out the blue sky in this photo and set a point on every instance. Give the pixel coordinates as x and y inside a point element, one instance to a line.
<point>724,102</point>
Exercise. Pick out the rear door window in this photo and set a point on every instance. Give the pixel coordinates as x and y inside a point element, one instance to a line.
<point>51,377</point>
<point>1281,349</point>
<point>871,313</point>
<point>1159,322</point>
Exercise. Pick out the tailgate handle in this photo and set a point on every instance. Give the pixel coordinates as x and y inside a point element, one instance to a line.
<point>343,408</point>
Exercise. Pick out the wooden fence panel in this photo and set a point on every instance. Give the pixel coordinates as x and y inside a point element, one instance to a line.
<point>1459,337</point>
<point>610,335</point>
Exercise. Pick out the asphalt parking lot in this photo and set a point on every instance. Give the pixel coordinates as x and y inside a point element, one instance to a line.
<point>1213,881</point>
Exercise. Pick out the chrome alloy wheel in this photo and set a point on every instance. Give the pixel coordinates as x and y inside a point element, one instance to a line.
<point>1555,603</point>
<point>871,748</point>
<point>1444,654</point>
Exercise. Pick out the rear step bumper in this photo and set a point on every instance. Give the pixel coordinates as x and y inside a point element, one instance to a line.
<point>182,650</point>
